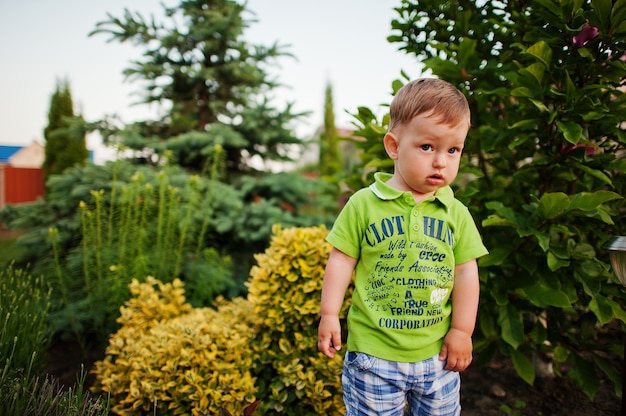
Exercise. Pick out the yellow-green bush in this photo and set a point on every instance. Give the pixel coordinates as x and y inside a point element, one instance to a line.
<point>181,360</point>
<point>175,359</point>
<point>293,377</point>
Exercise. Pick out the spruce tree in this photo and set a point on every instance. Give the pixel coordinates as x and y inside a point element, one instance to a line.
<point>64,145</point>
<point>213,85</point>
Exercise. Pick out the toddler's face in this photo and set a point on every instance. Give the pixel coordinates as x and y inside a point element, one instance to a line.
<point>426,154</point>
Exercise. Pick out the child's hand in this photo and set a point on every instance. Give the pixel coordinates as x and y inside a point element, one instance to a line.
<point>457,350</point>
<point>329,335</point>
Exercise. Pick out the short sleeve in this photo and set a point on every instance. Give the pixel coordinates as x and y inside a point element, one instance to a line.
<point>347,231</point>
<point>469,244</point>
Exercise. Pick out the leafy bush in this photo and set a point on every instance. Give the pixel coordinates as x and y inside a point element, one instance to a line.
<point>284,291</point>
<point>542,172</point>
<point>173,358</point>
<point>169,358</point>
<point>137,229</point>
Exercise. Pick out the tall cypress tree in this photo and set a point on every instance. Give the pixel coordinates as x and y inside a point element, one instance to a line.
<point>65,146</point>
<point>330,154</point>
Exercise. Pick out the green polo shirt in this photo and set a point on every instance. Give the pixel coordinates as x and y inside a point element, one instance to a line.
<point>404,276</point>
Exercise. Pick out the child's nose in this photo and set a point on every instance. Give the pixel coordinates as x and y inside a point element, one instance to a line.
<point>439,160</point>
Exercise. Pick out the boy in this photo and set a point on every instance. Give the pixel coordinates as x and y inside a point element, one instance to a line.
<point>412,248</point>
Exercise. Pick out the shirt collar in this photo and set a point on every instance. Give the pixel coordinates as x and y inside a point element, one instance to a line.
<point>383,191</point>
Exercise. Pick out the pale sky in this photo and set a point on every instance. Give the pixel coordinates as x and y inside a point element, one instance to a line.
<point>343,41</point>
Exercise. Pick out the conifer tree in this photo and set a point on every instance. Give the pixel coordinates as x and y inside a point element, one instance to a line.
<point>64,146</point>
<point>330,153</point>
<point>213,85</point>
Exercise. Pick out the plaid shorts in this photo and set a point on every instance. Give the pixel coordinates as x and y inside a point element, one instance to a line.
<point>372,386</point>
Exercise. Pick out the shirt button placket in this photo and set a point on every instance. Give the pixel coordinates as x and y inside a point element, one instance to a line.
<point>415,223</point>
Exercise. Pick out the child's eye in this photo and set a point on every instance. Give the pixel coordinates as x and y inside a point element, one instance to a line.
<point>453,150</point>
<point>426,147</point>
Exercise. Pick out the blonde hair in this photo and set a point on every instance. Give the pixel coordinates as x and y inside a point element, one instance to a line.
<point>423,95</point>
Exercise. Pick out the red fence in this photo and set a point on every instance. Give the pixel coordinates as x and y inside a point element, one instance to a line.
<point>18,185</point>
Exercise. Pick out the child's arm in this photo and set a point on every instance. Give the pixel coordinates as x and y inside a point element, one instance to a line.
<point>457,345</point>
<point>337,278</point>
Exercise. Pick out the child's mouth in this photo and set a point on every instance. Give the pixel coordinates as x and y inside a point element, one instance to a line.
<point>435,179</point>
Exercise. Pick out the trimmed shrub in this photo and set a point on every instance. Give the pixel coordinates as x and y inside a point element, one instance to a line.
<point>285,288</point>
<point>170,358</point>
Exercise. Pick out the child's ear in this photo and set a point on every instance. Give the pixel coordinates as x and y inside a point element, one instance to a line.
<point>391,145</point>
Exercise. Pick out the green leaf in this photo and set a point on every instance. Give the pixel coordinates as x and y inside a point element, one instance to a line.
<point>518,141</point>
<point>551,205</point>
<point>540,105</point>
<point>582,251</point>
<point>503,211</point>
<point>543,239</point>
<point>541,50</point>
<point>487,324</point>
<point>536,70</point>
<point>542,295</point>
<point>614,374</point>
<point>593,116</point>
<point>572,132</point>
<point>511,325</point>
<point>602,14</point>
<point>586,201</point>
<point>523,366</point>
<point>602,309</point>
<point>501,298</point>
<point>396,85</point>
<point>522,92</point>
<point>603,214</point>
<point>618,311</point>
<point>496,221</point>
<point>555,263</point>
<point>595,173</point>
<point>527,124</point>
<point>495,257</point>
<point>585,53</point>
<point>618,14</point>
<point>584,374</point>
<point>570,88</point>
<point>587,275</point>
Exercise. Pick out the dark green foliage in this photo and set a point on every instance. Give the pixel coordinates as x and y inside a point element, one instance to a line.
<point>543,168</point>
<point>103,225</point>
<point>214,84</point>
<point>65,143</point>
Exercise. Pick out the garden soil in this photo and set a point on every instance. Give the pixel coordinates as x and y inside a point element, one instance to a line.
<point>484,391</point>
